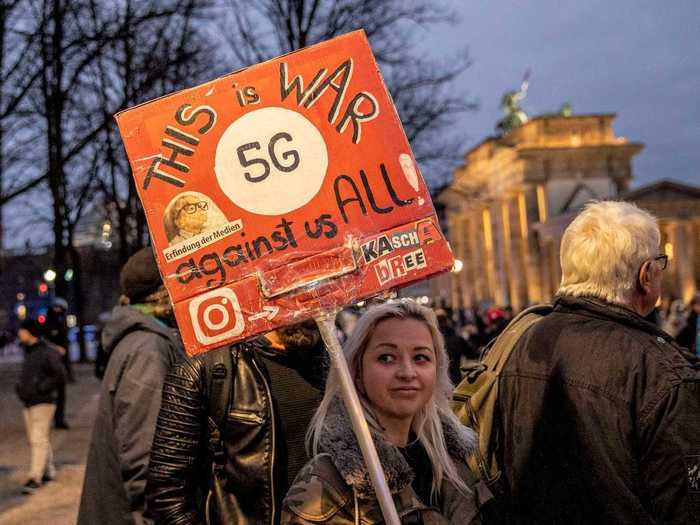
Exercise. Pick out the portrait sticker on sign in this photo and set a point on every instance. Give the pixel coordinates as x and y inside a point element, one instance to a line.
<point>281,191</point>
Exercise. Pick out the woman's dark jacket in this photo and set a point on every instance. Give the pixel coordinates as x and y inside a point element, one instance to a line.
<point>242,467</point>
<point>335,489</point>
<point>601,420</point>
<point>42,374</point>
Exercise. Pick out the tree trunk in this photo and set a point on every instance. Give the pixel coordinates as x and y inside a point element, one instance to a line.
<point>3,33</point>
<point>54,104</point>
<point>79,296</point>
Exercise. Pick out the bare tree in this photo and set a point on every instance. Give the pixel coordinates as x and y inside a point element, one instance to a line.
<point>71,65</point>
<point>161,56</point>
<point>66,66</point>
<point>422,86</point>
<point>16,78</point>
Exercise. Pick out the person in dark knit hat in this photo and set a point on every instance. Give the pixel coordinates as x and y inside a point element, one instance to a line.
<point>143,343</point>
<point>41,377</point>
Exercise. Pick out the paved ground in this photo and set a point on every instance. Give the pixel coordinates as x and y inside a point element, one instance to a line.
<point>57,502</point>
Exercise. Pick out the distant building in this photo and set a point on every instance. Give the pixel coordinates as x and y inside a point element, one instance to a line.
<point>677,206</point>
<point>28,284</point>
<point>511,200</point>
<point>28,292</point>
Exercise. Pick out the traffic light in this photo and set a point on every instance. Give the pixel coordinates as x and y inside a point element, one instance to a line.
<point>43,289</point>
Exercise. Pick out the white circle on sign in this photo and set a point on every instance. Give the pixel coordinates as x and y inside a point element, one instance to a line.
<point>271,161</point>
<point>213,325</point>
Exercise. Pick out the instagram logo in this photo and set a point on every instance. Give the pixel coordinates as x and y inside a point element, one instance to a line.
<point>216,316</point>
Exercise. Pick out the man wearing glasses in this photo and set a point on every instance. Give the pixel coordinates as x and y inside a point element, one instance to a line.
<point>187,217</point>
<point>600,409</point>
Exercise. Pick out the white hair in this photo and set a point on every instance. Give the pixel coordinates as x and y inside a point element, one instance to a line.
<point>603,249</point>
<point>427,423</point>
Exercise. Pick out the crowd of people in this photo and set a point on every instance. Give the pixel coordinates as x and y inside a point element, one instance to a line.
<point>598,407</point>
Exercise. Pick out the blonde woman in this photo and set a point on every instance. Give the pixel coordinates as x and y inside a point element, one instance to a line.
<point>397,358</point>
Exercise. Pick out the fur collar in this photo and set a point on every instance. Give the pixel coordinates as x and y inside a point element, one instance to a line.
<point>340,442</point>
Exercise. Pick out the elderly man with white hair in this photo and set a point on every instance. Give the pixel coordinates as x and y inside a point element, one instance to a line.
<point>600,410</point>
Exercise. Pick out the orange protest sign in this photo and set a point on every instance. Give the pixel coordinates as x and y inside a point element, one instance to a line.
<point>280,191</point>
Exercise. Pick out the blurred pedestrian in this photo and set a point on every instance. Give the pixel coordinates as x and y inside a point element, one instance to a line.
<point>496,321</point>
<point>673,316</point>
<point>599,408</point>
<point>230,433</point>
<point>143,343</point>
<point>56,330</point>
<point>41,377</point>
<point>399,365</point>
<point>101,355</point>
<point>455,345</point>
<point>689,335</point>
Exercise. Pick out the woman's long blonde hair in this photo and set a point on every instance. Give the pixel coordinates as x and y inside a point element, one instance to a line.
<point>427,423</point>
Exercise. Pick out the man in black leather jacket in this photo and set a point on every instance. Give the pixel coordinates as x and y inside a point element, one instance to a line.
<point>230,433</point>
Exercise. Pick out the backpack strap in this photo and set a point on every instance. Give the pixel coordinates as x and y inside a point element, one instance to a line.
<point>219,372</point>
<point>506,341</point>
<point>475,400</point>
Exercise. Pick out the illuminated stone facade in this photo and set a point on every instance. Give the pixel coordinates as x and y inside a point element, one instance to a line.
<point>512,198</point>
<point>677,207</point>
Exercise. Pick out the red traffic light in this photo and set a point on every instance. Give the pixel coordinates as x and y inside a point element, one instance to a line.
<point>41,318</point>
<point>43,288</point>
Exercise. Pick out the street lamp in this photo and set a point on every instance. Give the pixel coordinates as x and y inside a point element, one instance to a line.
<point>21,312</point>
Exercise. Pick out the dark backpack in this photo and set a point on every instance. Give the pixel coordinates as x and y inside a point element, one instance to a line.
<point>475,400</point>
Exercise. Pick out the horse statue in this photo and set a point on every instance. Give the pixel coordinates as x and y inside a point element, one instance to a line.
<point>514,115</point>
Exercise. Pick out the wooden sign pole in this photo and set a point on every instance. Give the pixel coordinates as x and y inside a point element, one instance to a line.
<point>326,326</point>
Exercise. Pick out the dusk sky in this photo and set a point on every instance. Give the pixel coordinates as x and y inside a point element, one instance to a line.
<point>639,59</point>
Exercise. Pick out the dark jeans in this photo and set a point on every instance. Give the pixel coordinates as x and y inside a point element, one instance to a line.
<point>59,416</point>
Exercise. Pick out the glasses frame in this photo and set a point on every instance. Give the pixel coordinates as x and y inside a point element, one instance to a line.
<point>202,205</point>
<point>663,259</point>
